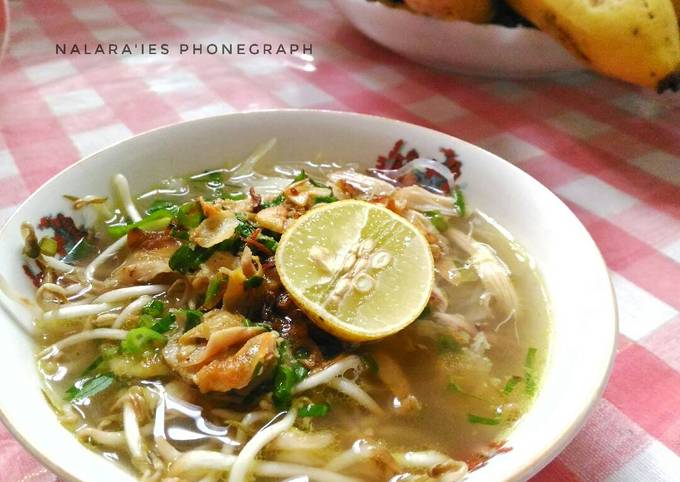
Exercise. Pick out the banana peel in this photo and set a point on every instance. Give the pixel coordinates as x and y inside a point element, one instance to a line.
<point>633,40</point>
<point>475,11</point>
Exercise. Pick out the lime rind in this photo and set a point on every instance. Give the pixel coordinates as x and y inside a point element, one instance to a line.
<point>400,289</point>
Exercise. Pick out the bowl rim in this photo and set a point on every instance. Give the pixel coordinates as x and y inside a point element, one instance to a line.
<point>533,464</point>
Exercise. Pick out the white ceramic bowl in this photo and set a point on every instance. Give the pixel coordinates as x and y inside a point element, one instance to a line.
<point>487,50</point>
<point>575,275</point>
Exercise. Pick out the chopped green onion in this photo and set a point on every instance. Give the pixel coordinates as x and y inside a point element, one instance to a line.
<point>154,308</point>
<point>300,372</point>
<point>187,259</point>
<point>146,320</point>
<point>274,202</point>
<point>446,344</point>
<point>163,205</point>
<point>510,384</point>
<point>269,242</point>
<point>530,360</point>
<point>483,420</point>
<point>245,229</point>
<point>180,233</point>
<point>94,365</point>
<point>287,374</point>
<point>437,220</point>
<point>89,387</point>
<point>284,381</point>
<point>140,339</point>
<point>193,318</point>
<point>253,282</point>
<point>459,201</point>
<point>325,199</point>
<point>300,176</point>
<point>109,350</point>
<point>189,215</point>
<point>48,246</point>
<point>156,221</point>
<point>234,196</point>
<point>214,287</point>
<point>164,324</point>
<point>232,244</point>
<point>530,374</point>
<point>314,410</point>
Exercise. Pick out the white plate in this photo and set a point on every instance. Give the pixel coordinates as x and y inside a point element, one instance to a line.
<point>487,50</point>
<point>576,279</point>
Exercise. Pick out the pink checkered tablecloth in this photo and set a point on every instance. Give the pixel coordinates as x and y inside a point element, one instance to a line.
<point>611,151</point>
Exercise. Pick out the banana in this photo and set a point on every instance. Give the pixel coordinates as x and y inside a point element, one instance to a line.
<point>633,40</point>
<point>476,11</point>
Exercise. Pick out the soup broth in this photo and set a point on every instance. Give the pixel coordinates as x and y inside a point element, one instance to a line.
<point>431,402</point>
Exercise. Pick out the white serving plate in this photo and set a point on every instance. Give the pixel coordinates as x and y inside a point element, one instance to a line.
<point>463,47</point>
<point>575,275</point>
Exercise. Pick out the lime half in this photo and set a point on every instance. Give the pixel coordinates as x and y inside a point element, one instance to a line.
<point>360,271</point>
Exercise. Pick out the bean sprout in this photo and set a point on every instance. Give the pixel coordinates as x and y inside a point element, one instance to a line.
<point>130,310</point>
<point>205,460</point>
<point>56,264</point>
<point>355,392</point>
<point>120,183</point>
<point>281,469</point>
<point>324,376</point>
<point>294,439</point>
<point>102,437</point>
<point>98,333</point>
<point>130,292</point>
<point>76,311</point>
<point>104,256</point>
<point>250,450</point>
<point>133,437</point>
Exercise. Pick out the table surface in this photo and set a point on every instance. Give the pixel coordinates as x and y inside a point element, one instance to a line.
<point>610,151</point>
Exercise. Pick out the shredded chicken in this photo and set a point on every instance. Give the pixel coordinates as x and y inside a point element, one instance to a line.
<point>149,257</point>
<point>275,218</point>
<point>415,197</point>
<point>220,221</point>
<point>303,193</point>
<point>218,260</point>
<point>350,184</point>
<point>253,362</point>
<point>221,354</point>
<point>394,378</point>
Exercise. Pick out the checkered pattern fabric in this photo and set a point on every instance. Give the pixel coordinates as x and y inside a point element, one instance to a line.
<point>611,151</point>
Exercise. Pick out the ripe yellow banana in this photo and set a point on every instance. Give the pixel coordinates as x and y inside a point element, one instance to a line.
<point>634,40</point>
<point>476,11</point>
